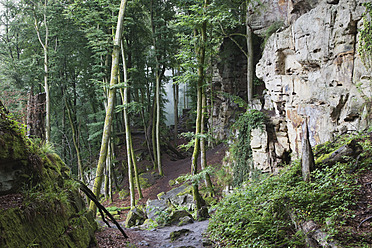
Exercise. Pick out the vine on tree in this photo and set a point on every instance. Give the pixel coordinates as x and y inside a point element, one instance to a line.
<point>241,150</point>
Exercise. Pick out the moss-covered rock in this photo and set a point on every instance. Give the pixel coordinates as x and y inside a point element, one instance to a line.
<point>177,234</point>
<point>136,216</point>
<point>51,213</point>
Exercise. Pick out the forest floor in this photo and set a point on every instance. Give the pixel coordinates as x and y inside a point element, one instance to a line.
<point>159,237</point>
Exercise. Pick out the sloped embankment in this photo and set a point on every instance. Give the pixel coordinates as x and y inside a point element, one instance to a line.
<point>39,205</point>
<point>332,210</point>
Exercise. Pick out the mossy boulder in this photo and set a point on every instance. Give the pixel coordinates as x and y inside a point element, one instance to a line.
<point>136,216</point>
<point>50,211</point>
<point>177,234</point>
<point>16,166</point>
<point>178,216</point>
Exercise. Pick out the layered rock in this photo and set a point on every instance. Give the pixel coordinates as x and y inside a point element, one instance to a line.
<point>312,69</point>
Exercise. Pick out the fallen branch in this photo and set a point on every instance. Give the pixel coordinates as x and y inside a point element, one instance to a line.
<point>101,208</point>
<point>367,219</point>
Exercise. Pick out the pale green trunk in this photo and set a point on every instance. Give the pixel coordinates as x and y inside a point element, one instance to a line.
<point>110,106</point>
<point>130,151</point>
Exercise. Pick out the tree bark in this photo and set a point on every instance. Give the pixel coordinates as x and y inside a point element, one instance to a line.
<point>250,67</point>
<point>200,56</point>
<point>203,152</point>
<point>157,94</point>
<point>130,151</point>
<point>175,104</point>
<point>110,105</point>
<point>44,45</point>
<point>75,141</point>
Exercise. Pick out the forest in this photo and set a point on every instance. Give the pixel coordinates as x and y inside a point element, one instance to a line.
<point>185,123</point>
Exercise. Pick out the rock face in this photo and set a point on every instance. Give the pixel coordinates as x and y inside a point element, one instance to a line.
<point>229,72</point>
<point>283,11</point>
<point>312,69</point>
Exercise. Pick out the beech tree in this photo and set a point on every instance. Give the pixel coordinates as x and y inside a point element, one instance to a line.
<point>110,103</point>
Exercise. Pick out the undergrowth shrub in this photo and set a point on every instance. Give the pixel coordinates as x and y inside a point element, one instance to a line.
<point>258,213</point>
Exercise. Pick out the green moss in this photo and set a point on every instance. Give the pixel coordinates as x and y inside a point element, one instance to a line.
<point>53,214</point>
<point>32,225</point>
<point>144,182</point>
<point>188,190</point>
<point>12,147</point>
<point>160,195</point>
<point>323,157</point>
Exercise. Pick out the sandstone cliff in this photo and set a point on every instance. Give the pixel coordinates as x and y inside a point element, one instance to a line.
<point>310,68</point>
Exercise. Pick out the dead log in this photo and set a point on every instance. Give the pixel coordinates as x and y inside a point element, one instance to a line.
<point>174,150</point>
<point>352,149</point>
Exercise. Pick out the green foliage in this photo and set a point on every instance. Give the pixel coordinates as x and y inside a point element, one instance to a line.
<point>236,99</point>
<point>123,194</point>
<point>258,214</point>
<point>365,44</point>
<point>196,179</point>
<point>241,149</point>
<point>224,177</point>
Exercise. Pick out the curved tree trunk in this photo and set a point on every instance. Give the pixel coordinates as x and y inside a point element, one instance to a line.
<point>110,106</point>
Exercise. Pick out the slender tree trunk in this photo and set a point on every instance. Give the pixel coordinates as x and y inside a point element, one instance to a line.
<point>110,105</point>
<point>158,154</point>
<point>250,69</point>
<point>157,95</point>
<point>75,141</point>
<point>203,153</point>
<point>44,45</point>
<point>153,134</point>
<point>107,170</point>
<point>175,104</point>
<point>130,151</point>
<point>200,55</point>
<point>145,129</point>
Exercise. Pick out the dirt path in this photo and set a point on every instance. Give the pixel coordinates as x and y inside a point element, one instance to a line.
<point>111,237</point>
<point>156,238</point>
